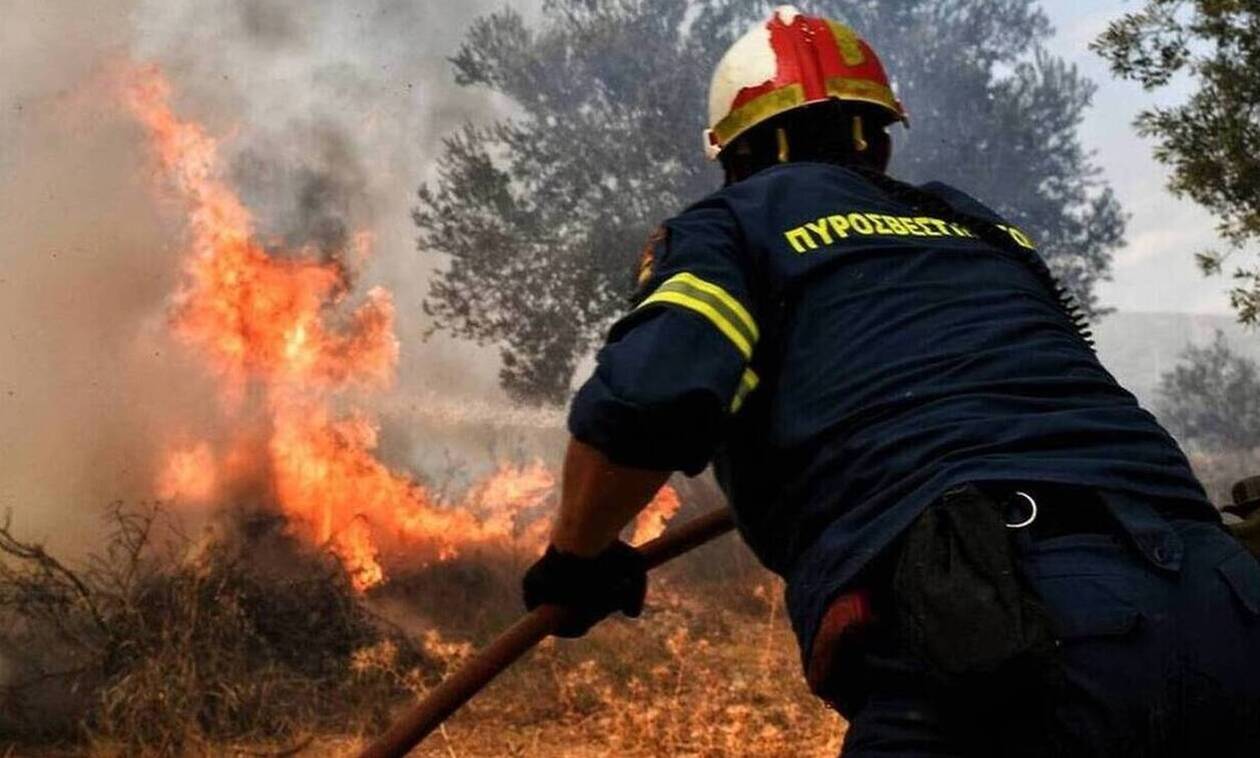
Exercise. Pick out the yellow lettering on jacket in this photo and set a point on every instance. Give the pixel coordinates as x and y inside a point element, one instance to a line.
<point>821,229</point>
<point>880,226</point>
<point>839,225</point>
<point>1020,238</point>
<point>860,224</point>
<point>830,230</point>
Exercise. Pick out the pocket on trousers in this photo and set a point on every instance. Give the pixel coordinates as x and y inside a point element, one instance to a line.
<point>1087,606</point>
<point>1242,573</point>
<point>1086,584</point>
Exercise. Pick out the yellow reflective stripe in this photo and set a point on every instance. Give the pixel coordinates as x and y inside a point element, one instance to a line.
<point>723,296</point>
<point>708,311</point>
<point>844,88</point>
<point>712,302</point>
<point>757,110</point>
<point>747,383</point>
<point>847,43</point>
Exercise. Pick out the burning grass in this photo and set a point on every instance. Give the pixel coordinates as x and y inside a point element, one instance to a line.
<point>710,670</point>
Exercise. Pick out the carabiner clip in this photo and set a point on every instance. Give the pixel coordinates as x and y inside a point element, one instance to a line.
<point>1032,504</point>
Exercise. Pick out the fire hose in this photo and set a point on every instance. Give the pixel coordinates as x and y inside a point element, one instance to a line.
<point>520,638</point>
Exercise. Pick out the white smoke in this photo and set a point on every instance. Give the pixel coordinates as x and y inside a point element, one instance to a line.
<point>332,113</point>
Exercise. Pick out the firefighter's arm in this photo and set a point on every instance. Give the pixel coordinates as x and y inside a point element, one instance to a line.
<point>672,374</point>
<point>586,568</point>
<point>598,499</point>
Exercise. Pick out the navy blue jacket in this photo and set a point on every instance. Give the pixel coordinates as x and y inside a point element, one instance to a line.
<point>843,360</point>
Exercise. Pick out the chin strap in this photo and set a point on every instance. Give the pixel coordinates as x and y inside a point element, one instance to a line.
<point>785,152</point>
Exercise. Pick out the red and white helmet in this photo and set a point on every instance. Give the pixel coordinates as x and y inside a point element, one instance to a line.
<point>788,62</point>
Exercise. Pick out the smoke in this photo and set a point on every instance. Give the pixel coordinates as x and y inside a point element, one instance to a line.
<point>332,114</point>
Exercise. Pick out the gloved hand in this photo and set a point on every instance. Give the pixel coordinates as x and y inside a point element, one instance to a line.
<point>614,580</point>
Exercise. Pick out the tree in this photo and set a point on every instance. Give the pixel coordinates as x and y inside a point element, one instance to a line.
<point>1212,140</point>
<point>541,216</point>
<point>1212,399</point>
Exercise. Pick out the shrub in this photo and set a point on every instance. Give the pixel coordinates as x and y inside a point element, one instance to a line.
<point>158,643</point>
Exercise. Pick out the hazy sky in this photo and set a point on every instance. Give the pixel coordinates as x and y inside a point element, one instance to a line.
<point>1156,272</point>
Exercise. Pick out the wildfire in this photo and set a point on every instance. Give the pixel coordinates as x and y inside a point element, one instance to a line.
<point>285,329</point>
<point>189,474</point>
<point>651,522</point>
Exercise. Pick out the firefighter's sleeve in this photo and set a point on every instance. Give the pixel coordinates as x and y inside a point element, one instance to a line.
<point>677,367</point>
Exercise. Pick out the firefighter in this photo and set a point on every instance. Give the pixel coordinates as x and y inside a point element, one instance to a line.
<point>989,548</point>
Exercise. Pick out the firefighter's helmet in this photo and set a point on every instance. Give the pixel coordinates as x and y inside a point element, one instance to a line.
<point>792,60</point>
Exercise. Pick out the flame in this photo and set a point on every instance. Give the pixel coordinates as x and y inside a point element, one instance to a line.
<point>254,315</point>
<point>650,524</point>
<point>284,331</point>
<point>358,554</point>
<point>189,474</point>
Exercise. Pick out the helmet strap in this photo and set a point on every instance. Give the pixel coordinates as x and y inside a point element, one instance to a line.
<point>830,132</point>
<point>859,136</point>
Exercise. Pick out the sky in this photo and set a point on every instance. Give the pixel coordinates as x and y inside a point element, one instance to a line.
<point>1156,271</point>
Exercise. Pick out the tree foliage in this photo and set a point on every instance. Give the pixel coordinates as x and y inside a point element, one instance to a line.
<point>540,216</point>
<point>1212,140</point>
<point>1212,399</point>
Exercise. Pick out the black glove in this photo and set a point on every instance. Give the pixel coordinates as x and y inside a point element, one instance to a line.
<point>614,580</point>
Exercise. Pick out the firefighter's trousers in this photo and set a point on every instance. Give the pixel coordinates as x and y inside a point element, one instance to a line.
<point>1159,629</point>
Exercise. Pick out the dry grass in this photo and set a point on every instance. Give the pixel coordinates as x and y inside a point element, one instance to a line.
<point>694,677</point>
<point>711,669</point>
<point>249,643</point>
<point>158,646</point>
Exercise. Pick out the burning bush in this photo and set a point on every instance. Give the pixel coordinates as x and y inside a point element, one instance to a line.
<point>158,643</point>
